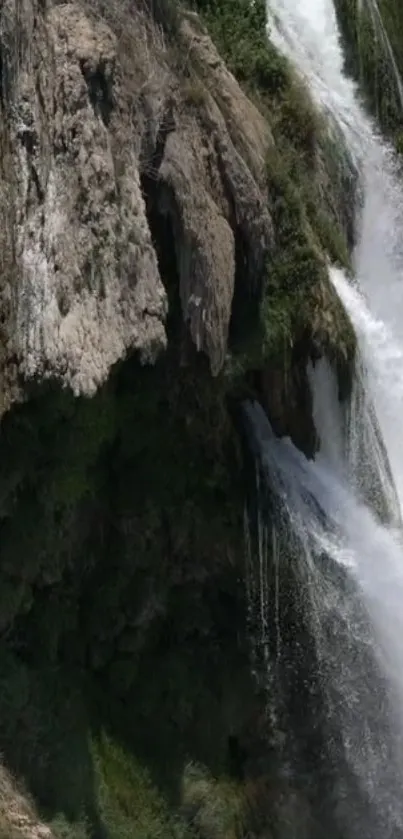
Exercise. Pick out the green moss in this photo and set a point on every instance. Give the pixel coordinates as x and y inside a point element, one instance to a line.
<point>238,28</point>
<point>368,58</point>
<point>63,829</point>
<point>216,807</point>
<point>131,806</point>
<point>297,298</point>
<point>129,575</point>
<point>311,186</point>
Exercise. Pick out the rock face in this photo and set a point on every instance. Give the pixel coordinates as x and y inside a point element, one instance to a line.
<point>212,187</point>
<point>85,285</point>
<point>18,819</point>
<point>81,126</point>
<point>164,244</point>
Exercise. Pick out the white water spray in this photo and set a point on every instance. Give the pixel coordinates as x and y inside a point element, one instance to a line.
<point>350,573</point>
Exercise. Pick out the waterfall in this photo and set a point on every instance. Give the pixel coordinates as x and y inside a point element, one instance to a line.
<point>348,575</point>
<point>332,526</point>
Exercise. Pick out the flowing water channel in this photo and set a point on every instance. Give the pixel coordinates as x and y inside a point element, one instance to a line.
<point>338,518</point>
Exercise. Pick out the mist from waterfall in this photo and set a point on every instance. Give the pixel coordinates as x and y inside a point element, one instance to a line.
<point>349,584</point>
<point>340,515</point>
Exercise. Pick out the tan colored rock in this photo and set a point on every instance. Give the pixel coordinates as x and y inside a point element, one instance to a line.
<point>206,219</point>
<point>213,168</point>
<point>94,103</point>
<point>18,818</point>
<point>247,127</point>
<point>86,284</point>
<point>90,281</point>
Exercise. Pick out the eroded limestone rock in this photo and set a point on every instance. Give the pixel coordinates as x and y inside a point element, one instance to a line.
<point>88,111</point>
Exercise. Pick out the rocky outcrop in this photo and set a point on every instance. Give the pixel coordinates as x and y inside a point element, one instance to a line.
<point>18,818</point>
<point>85,285</point>
<point>87,112</point>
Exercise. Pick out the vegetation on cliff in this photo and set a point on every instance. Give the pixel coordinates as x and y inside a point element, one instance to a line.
<point>311,186</point>
<point>373,36</point>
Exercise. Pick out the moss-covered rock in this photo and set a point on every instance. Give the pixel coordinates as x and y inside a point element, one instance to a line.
<point>311,184</point>
<point>373,37</point>
<point>130,609</point>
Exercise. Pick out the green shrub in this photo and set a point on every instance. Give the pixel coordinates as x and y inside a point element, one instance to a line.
<point>238,28</point>
<point>63,829</point>
<point>307,149</point>
<point>214,807</point>
<point>131,806</point>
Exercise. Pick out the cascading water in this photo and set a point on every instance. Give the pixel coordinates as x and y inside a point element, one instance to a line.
<point>342,513</point>
<point>307,32</point>
<point>349,589</point>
